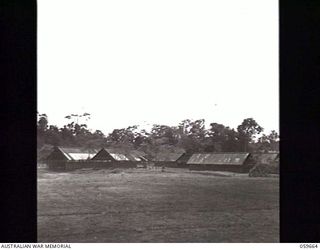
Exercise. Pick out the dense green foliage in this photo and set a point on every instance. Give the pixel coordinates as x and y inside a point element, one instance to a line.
<point>189,136</point>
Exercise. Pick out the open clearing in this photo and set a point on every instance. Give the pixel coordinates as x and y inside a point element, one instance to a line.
<point>140,205</point>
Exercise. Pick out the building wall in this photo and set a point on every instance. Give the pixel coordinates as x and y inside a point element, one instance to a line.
<point>169,164</point>
<point>57,164</point>
<point>229,168</point>
<point>71,165</point>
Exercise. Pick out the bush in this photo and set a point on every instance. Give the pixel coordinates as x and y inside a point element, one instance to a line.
<point>115,171</point>
<point>260,170</point>
<point>274,168</point>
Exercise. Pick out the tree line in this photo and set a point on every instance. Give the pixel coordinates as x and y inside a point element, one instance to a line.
<point>189,136</point>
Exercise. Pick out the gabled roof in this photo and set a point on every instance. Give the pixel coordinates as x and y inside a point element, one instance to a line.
<point>184,158</point>
<point>116,154</point>
<point>44,152</point>
<point>136,155</point>
<point>75,154</point>
<point>218,159</point>
<point>122,155</point>
<point>171,157</point>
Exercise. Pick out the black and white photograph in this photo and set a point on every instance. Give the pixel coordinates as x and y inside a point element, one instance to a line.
<point>158,121</point>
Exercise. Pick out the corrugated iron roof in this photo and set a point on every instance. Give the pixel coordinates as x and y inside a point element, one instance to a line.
<point>184,158</point>
<point>132,157</point>
<point>218,159</point>
<point>81,156</point>
<point>44,152</point>
<point>119,157</point>
<point>138,153</point>
<point>171,157</point>
<point>126,155</point>
<point>76,154</point>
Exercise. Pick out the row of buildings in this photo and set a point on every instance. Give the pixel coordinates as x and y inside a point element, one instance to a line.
<point>72,158</point>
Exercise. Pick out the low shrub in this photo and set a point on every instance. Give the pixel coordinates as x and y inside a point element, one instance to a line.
<point>259,170</point>
<point>274,168</point>
<point>115,171</point>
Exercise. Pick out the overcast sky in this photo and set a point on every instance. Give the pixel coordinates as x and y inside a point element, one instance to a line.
<point>158,61</point>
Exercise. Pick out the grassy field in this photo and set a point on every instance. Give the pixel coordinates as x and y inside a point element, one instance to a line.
<point>153,206</point>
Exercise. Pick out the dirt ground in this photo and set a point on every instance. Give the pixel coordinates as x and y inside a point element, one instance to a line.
<point>140,205</point>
